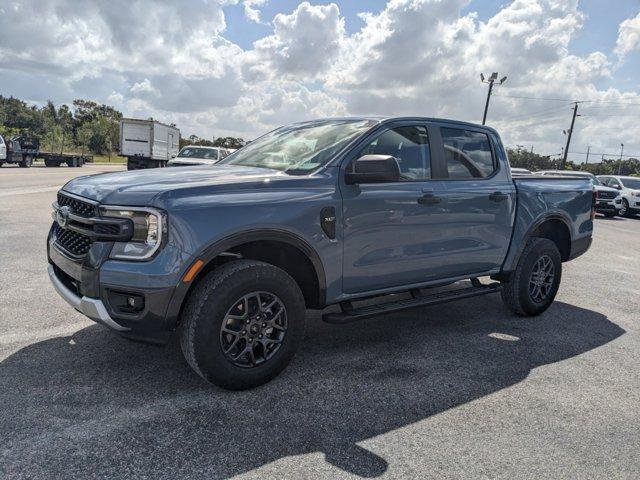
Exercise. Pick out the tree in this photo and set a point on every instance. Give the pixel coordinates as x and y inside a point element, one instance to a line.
<point>228,142</point>
<point>522,158</point>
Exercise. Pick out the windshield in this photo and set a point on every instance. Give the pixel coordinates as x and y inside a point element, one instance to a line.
<point>631,183</point>
<point>195,152</point>
<point>299,148</point>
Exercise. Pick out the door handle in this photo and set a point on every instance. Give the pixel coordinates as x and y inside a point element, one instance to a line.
<point>429,200</point>
<point>498,196</point>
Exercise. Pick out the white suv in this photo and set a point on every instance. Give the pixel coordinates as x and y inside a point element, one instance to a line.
<point>609,200</point>
<point>629,188</point>
<point>198,155</point>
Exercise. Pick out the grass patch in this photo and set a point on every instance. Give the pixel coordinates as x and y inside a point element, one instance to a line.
<point>105,159</point>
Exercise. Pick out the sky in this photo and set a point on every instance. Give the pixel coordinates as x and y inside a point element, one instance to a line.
<point>244,67</point>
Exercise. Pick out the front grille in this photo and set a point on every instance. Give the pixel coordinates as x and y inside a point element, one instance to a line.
<point>607,195</point>
<point>73,242</point>
<point>80,208</point>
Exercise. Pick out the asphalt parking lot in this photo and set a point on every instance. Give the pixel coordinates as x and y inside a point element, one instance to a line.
<point>463,390</point>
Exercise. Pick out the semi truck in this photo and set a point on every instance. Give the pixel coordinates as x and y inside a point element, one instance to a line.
<point>148,143</point>
<point>20,150</point>
<point>23,150</point>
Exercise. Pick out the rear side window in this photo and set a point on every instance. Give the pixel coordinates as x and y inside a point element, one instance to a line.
<point>410,147</point>
<point>467,153</point>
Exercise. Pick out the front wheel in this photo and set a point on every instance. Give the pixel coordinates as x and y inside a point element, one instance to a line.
<point>242,324</point>
<point>26,162</point>
<point>534,283</point>
<point>624,210</point>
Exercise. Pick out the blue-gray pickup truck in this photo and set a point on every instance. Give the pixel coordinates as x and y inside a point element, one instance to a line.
<point>327,212</point>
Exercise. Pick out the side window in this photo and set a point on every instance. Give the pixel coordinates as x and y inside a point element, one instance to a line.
<point>467,154</point>
<point>410,146</point>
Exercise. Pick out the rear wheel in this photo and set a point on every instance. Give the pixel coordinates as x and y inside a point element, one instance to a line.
<point>534,283</point>
<point>242,324</point>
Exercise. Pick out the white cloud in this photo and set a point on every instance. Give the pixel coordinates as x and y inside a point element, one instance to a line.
<point>303,44</point>
<point>252,10</point>
<point>415,57</point>
<point>628,36</point>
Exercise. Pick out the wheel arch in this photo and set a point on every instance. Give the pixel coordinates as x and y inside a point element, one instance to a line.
<point>555,227</point>
<point>280,248</point>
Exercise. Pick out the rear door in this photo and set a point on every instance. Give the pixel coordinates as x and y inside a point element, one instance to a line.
<point>478,199</point>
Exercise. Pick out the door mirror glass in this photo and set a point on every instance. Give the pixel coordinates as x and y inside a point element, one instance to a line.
<point>374,169</point>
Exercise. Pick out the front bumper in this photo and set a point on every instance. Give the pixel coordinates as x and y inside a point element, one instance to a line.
<point>92,284</point>
<point>608,205</point>
<point>90,307</point>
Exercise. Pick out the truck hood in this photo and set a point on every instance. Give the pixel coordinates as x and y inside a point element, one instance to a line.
<point>602,188</point>
<point>140,187</point>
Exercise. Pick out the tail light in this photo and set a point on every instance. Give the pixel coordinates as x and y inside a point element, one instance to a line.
<point>593,204</point>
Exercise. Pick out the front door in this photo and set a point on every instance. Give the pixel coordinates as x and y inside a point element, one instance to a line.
<point>392,231</point>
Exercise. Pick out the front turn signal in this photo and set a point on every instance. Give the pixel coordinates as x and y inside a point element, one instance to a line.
<point>193,271</point>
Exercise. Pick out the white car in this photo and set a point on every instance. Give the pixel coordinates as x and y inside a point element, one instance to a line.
<point>520,172</point>
<point>198,155</point>
<point>609,201</point>
<point>629,188</point>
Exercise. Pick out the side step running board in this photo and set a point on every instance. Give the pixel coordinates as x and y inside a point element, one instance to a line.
<point>349,315</point>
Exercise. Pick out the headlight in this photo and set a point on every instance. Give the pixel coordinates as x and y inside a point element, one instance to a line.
<point>148,229</point>
<point>635,194</point>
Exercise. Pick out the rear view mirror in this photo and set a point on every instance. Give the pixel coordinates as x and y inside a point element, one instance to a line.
<point>374,169</point>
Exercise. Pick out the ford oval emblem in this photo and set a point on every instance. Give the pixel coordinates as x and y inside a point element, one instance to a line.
<point>62,216</point>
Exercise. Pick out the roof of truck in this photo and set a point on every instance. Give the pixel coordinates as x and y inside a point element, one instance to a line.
<point>385,119</point>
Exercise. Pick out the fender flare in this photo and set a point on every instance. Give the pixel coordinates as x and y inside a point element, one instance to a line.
<point>216,248</point>
<point>553,215</point>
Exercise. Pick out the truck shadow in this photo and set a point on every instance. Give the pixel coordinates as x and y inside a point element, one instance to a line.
<point>94,402</point>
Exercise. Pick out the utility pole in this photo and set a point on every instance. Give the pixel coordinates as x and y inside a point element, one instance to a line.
<point>569,133</point>
<point>587,160</point>
<point>490,81</point>
<point>620,163</point>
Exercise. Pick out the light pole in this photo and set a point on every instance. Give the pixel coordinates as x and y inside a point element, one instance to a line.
<point>490,81</point>
<point>620,163</point>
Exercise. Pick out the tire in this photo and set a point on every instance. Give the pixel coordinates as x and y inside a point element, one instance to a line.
<point>26,162</point>
<point>133,164</point>
<point>210,305</point>
<point>624,211</point>
<point>516,293</point>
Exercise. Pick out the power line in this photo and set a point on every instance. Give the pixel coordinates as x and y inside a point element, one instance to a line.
<point>536,113</point>
<point>610,102</point>
<point>536,98</point>
<point>617,155</point>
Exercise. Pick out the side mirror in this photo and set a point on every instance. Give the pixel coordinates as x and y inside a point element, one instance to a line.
<point>374,169</point>
<point>173,156</point>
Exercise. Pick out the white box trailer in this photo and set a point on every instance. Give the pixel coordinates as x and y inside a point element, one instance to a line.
<point>148,143</point>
